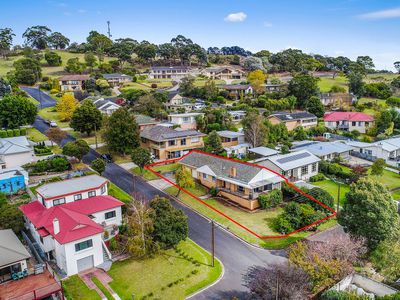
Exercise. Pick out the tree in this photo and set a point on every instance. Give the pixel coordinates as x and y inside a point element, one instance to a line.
<point>100,43</point>
<point>377,167</point>
<point>141,157</point>
<point>184,179</point>
<point>99,165</point>
<point>58,41</point>
<point>366,62</point>
<point>66,106</point>
<point>283,281</point>
<point>213,143</point>
<point>121,131</point>
<point>16,111</point>
<point>11,217</point>
<point>170,224</point>
<point>292,100</point>
<point>187,85</point>
<point>37,37</point>
<point>303,87</point>
<point>6,39</point>
<point>315,106</point>
<point>299,134</point>
<point>397,66</point>
<point>146,51</point>
<point>255,131</point>
<point>52,58</point>
<point>253,63</point>
<point>167,51</point>
<point>74,66</point>
<point>27,71</point>
<point>86,118</point>
<point>90,60</point>
<point>369,212</point>
<point>386,258</point>
<point>56,135</point>
<point>140,242</point>
<point>356,84</point>
<point>5,88</point>
<point>77,149</point>
<point>123,49</point>
<point>257,80</point>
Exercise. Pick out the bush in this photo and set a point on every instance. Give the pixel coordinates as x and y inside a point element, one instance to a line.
<point>16,132</point>
<point>271,199</point>
<point>281,225</point>
<point>22,131</point>
<point>379,90</point>
<point>10,133</point>
<point>54,91</point>
<point>318,177</point>
<point>213,191</point>
<point>154,85</point>
<point>56,164</point>
<point>3,133</point>
<point>342,295</point>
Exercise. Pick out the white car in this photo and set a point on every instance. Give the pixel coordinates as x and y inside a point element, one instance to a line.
<point>53,124</point>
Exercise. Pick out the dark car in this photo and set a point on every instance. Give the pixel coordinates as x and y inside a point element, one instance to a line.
<point>106,157</point>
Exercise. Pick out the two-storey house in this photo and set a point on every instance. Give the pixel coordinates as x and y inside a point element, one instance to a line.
<point>294,120</point>
<point>348,121</point>
<point>184,121</point>
<point>73,82</point>
<point>233,143</point>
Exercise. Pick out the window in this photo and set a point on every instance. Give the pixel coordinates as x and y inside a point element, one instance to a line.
<point>92,194</point>
<point>58,201</point>
<point>204,176</point>
<point>353,123</point>
<point>314,167</point>
<point>214,179</point>
<point>240,189</point>
<point>183,142</point>
<point>77,197</point>
<point>195,140</point>
<point>304,170</point>
<point>110,214</point>
<point>171,143</point>
<point>186,119</point>
<point>103,189</point>
<point>83,245</point>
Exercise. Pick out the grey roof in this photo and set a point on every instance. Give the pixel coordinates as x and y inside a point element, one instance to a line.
<point>236,86</point>
<point>161,133</point>
<point>165,68</point>
<point>324,148</point>
<point>116,75</point>
<point>14,145</point>
<point>293,160</point>
<point>9,173</point>
<point>70,186</point>
<point>11,249</point>
<point>229,134</point>
<point>285,116</point>
<point>264,151</point>
<point>221,167</point>
<point>390,145</point>
<point>143,119</point>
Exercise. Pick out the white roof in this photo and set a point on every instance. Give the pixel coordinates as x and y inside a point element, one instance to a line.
<point>324,148</point>
<point>390,145</point>
<point>8,173</point>
<point>14,145</point>
<point>293,160</point>
<point>185,115</point>
<point>229,134</point>
<point>358,144</point>
<point>11,249</point>
<point>264,151</point>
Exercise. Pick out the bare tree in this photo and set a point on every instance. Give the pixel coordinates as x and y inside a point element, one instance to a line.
<point>254,129</point>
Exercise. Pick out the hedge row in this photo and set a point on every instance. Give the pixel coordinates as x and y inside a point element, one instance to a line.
<point>12,132</point>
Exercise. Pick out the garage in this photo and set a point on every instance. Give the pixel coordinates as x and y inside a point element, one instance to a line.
<point>85,263</point>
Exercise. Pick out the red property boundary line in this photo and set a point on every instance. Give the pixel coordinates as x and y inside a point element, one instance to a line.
<point>149,167</point>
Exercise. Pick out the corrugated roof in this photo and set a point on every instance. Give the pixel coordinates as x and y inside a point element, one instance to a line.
<point>324,148</point>
<point>229,134</point>
<point>77,77</point>
<point>293,160</point>
<point>161,133</point>
<point>285,116</point>
<point>347,116</point>
<point>14,145</point>
<point>11,248</point>
<point>264,151</point>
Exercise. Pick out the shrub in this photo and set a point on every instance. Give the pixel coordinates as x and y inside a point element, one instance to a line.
<point>213,191</point>
<point>3,134</point>
<point>281,225</point>
<point>16,132</point>
<point>22,131</point>
<point>10,133</point>
<point>154,85</point>
<point>318,177</point>
<point>342,295</point>
<point>271,199</point>
<point>113,244</point>
<point>53,91</point>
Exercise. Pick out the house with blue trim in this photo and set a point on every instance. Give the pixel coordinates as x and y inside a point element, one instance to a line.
<point>13,180</point>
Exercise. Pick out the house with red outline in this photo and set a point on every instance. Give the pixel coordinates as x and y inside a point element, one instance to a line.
<point>348,121</point>
<point>237,182</point>
<point>70,229</point>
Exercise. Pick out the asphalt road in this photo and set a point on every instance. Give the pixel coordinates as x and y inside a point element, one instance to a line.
<point>236,255</point>
<point>44,99</point>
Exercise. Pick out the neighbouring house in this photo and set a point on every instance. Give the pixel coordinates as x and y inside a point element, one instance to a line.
<point>270,88</point>
<point>237,91</point>
<point>13,180</point>
<point>73,82</point>
<point>299,165</point>
<point>348,121</point>
<point>233,143</point>
<point>294,120</point>
<point>106,106</point>
<point>261,152</point>
<point>238,182</point>
<point>237,115</point>
<point>116,79</point>
<point>165,143</point>
<point>223,73</point>
<point>71,220</point>
<point>337,100</point>
<point>325,150</point>
<point>185,121</point>
<point>173,72</point>
<point>145,121</point>
<point>177,103</point>
<point>15,152</point>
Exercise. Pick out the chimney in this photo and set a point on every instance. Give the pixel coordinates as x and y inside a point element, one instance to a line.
<point>233,172</point>
<point>56,226</point>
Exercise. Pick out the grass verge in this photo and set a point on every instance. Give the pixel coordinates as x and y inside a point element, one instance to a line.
<point>116,192</point>
<point>102,288</point>
<point>76,289</point>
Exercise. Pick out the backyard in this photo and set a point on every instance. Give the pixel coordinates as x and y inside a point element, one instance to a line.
<point>326,83</point>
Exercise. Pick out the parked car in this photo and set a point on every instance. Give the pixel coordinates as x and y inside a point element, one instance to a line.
<point>106,157</point>
<point>51,123</point>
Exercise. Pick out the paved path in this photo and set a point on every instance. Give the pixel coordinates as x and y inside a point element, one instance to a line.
<point>43,99</point>
<point>236,255</point>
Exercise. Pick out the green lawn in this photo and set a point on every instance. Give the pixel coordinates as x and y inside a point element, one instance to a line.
<point>117,158</point>
<point>168,275</point>
<point>396,195</point>
<point>151,176</point>
<point>326,83</point>
<point>116,192</point>
<point>332,188</point>
<point>51,114</point>
<point>91,140</point>
<point>76,289</point>
<point>35,135</point>
<point>102,288</point>
<point>389,179</point>
<point>202,82</point>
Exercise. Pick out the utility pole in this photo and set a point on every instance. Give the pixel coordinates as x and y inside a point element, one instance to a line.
<point>213,242</point>
<point>108,30</point>
<point>95,134</point>
<point>338,198</point>
<point>277,287</point>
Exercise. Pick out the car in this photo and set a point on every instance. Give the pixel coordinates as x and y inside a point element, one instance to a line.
<point>51,123</point>
<point>106,157</point>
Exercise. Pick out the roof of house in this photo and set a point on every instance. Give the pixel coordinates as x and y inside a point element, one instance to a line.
<point>389,144</point>
<point>286,116</point>
<point>235,87</point>
<point>14,145</point>
<point>293,160</point>
<point>71,186</point>
<point>347,116</point>
<point>11,248</point>
<point>8,173</point>
<point>143,120</point>
<point>236,112</point>
<point>193,114</point>
<point>116,75</point>
<point>103,104</point>
<point>238,147</point>
<point>219,69</point>
<point>73,217</point>
<point>160,133</point>
<point>229,134</point>
<point>221,166</point>
<point>324,148</point>
<point>264,151</point>
<point>77,77</point>
<point>165,68</point>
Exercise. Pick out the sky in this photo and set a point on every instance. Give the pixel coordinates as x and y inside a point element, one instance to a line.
<point>329,27</point>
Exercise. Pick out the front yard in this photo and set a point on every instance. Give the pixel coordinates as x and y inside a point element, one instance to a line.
<point>332,188</point>
<point>171,274</point>
<point>160,169</point>
<point>51,114</point>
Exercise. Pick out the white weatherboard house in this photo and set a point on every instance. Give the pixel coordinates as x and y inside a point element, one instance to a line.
<point>69,219</point>
<point>299,165</point>
<point>15,152</point>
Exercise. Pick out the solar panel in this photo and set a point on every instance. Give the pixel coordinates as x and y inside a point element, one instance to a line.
<point>293,157</point>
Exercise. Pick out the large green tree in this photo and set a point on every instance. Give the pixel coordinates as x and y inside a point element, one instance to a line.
<point>170,224</point>
<point>356,84</point>
<point>74,66</point>
<point>99,43</point>
<point>77,149</point>
<point>141,157</point>
<point>86,118</point>
<point>57,40</point>
<point>27,71</point>
<point>315,106</point>
<point>303,87</point>
<point>213,143</point>
<point>369,212</point>
<point>6,39</point>
<point>121,131</point>
<point>52,58</point>
<point>37,36</point>
<point>16,111</point>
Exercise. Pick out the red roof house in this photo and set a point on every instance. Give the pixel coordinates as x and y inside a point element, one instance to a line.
<point>347,116</point>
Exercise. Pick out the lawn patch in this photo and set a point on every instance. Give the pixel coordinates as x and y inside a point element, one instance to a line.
<point>116,192</point>
<point>332,188</point>
<point>50,113</point>
<point>76,289</point>
<point>326,83</point>
<point>102,288</point>
<point>35,135</point>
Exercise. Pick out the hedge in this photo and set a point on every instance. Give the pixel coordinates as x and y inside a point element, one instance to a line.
<point>318,177</point>
<point>12,132</point>
<point>271,199</point>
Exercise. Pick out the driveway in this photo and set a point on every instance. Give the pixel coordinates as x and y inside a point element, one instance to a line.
<point>44,99</point>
